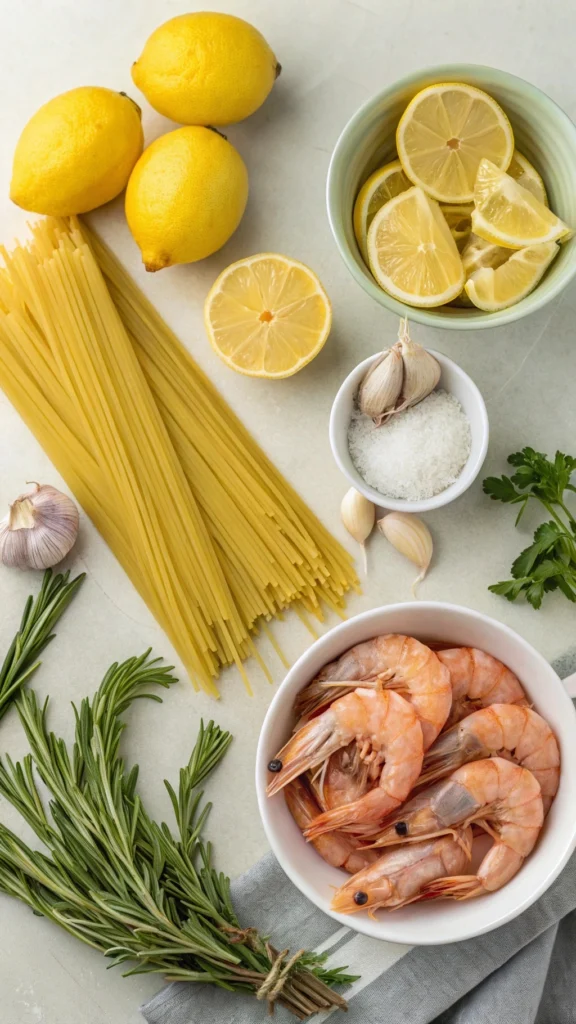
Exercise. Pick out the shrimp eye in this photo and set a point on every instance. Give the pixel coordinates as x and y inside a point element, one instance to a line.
<point>275,765</point>
<point>360,898</point>
<point>401,828</point>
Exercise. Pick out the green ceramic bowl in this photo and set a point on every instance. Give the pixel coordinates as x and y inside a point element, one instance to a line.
<point>543,133</point>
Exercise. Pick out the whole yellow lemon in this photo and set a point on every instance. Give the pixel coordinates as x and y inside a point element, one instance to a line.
<point>76,152</point>
<point>185,197</point>
<point>206,68</point>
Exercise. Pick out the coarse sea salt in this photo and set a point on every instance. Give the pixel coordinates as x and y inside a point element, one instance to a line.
<point>416,453</point>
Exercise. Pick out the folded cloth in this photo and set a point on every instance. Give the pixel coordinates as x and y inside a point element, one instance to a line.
<point>522,973</point>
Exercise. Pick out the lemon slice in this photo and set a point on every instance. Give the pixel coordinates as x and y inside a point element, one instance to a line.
<point>412,253</point>
<point>384,184</point>
<point>267,316</point>
<point>510,215</point>
<point>496,289</point>
<point>443,135</point>
<point>458,218</point>
<point>479,253</point>
<point>526,175</point>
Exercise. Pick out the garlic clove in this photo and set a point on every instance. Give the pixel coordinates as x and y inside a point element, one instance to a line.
<point>40,529</point>
<point>421,370</point>
<point>358,515</point>
<point>411,537</point>
<point>382,385</point>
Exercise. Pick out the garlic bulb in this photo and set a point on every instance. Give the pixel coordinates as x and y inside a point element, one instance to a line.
<point>411,537</point>
<point>39,530</point>
<point>402,376</point>
<point>381,387</point>
<point>421,370</point>
<point>358,515</point>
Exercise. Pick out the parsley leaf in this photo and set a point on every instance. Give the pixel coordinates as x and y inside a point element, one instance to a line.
<point>501,488</point>
<point>549,563</point>
<point>546,538</point>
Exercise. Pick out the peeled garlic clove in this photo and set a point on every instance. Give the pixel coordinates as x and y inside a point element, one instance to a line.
<point>411,537</point>
<point>39,530</point>
<point>358,515</point>
<point>381,387</point>
<point>421,370</point>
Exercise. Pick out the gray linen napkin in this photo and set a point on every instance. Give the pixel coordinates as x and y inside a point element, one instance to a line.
<point>522,973</point>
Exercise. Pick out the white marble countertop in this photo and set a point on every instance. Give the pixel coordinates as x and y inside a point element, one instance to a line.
<point>335,54</point>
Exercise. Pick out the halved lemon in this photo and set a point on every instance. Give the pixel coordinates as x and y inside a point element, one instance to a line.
<point>526,175</point>
<point>510,215</point>
<point>459,221</point>
<point>412,253</point>
<point>267,316</point>
<point>491,289</point>
<point>443,135</point>
<point>384,184</point>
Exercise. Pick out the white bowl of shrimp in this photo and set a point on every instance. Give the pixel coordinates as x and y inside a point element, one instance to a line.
<point>458,831</point>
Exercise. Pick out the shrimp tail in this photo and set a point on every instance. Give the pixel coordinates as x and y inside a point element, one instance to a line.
<point>320,693</point>
<point>362,817</point>
<point>336,818</point>
<point>443,757</point>
<point>455,887</point>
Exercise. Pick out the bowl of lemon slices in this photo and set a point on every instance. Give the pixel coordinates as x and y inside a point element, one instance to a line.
<point>450,197</point>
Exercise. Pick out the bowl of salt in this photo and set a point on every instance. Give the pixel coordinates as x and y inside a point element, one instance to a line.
<point>421,458</point>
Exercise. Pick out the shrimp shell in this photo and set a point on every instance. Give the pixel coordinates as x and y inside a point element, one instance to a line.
<point>478,680</point>
<point>336,848</point>
<point>399,875</point>
<point>519,731</point>
<point>386,729</point>
<point>392,661</point>
<point>499,796</point>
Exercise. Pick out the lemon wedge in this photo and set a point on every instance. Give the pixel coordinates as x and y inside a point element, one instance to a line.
<point>443,135</point>
<point>412,253</point>
<point>510,215</point>
<point>491,289</point>
<point>479,253</point>
<point>526,175</point>
<point>458,218</point>
<point>382,185</point>
<point>267,316</point>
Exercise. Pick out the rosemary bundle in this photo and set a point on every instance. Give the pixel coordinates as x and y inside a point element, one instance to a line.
<point>35,633</point>
<point>124,884</point>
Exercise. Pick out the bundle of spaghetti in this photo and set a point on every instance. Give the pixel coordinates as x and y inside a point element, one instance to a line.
<point>301,558</point>
<point>209,531</point>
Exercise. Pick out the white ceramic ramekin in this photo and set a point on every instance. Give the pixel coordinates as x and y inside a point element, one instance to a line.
<point>454,380</point>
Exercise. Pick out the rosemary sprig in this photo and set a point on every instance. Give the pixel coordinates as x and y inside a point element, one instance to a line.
<point>35,633</point>
<point>122,883</point>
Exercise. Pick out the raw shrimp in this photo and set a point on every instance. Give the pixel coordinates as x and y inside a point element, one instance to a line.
<point>385,728</point>
<point>478,680</point>
<point>337,849</point>
<point>499,796</point>
<point>395,662</point>
<point>397,877</point>
<point>505,729</point>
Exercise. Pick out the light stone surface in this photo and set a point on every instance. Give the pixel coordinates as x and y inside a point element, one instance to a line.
<point>335,55</point>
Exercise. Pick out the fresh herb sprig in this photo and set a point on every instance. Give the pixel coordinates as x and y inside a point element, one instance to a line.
<point>35,633</point>
<point>549,563</point>
<point>120,882</point>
